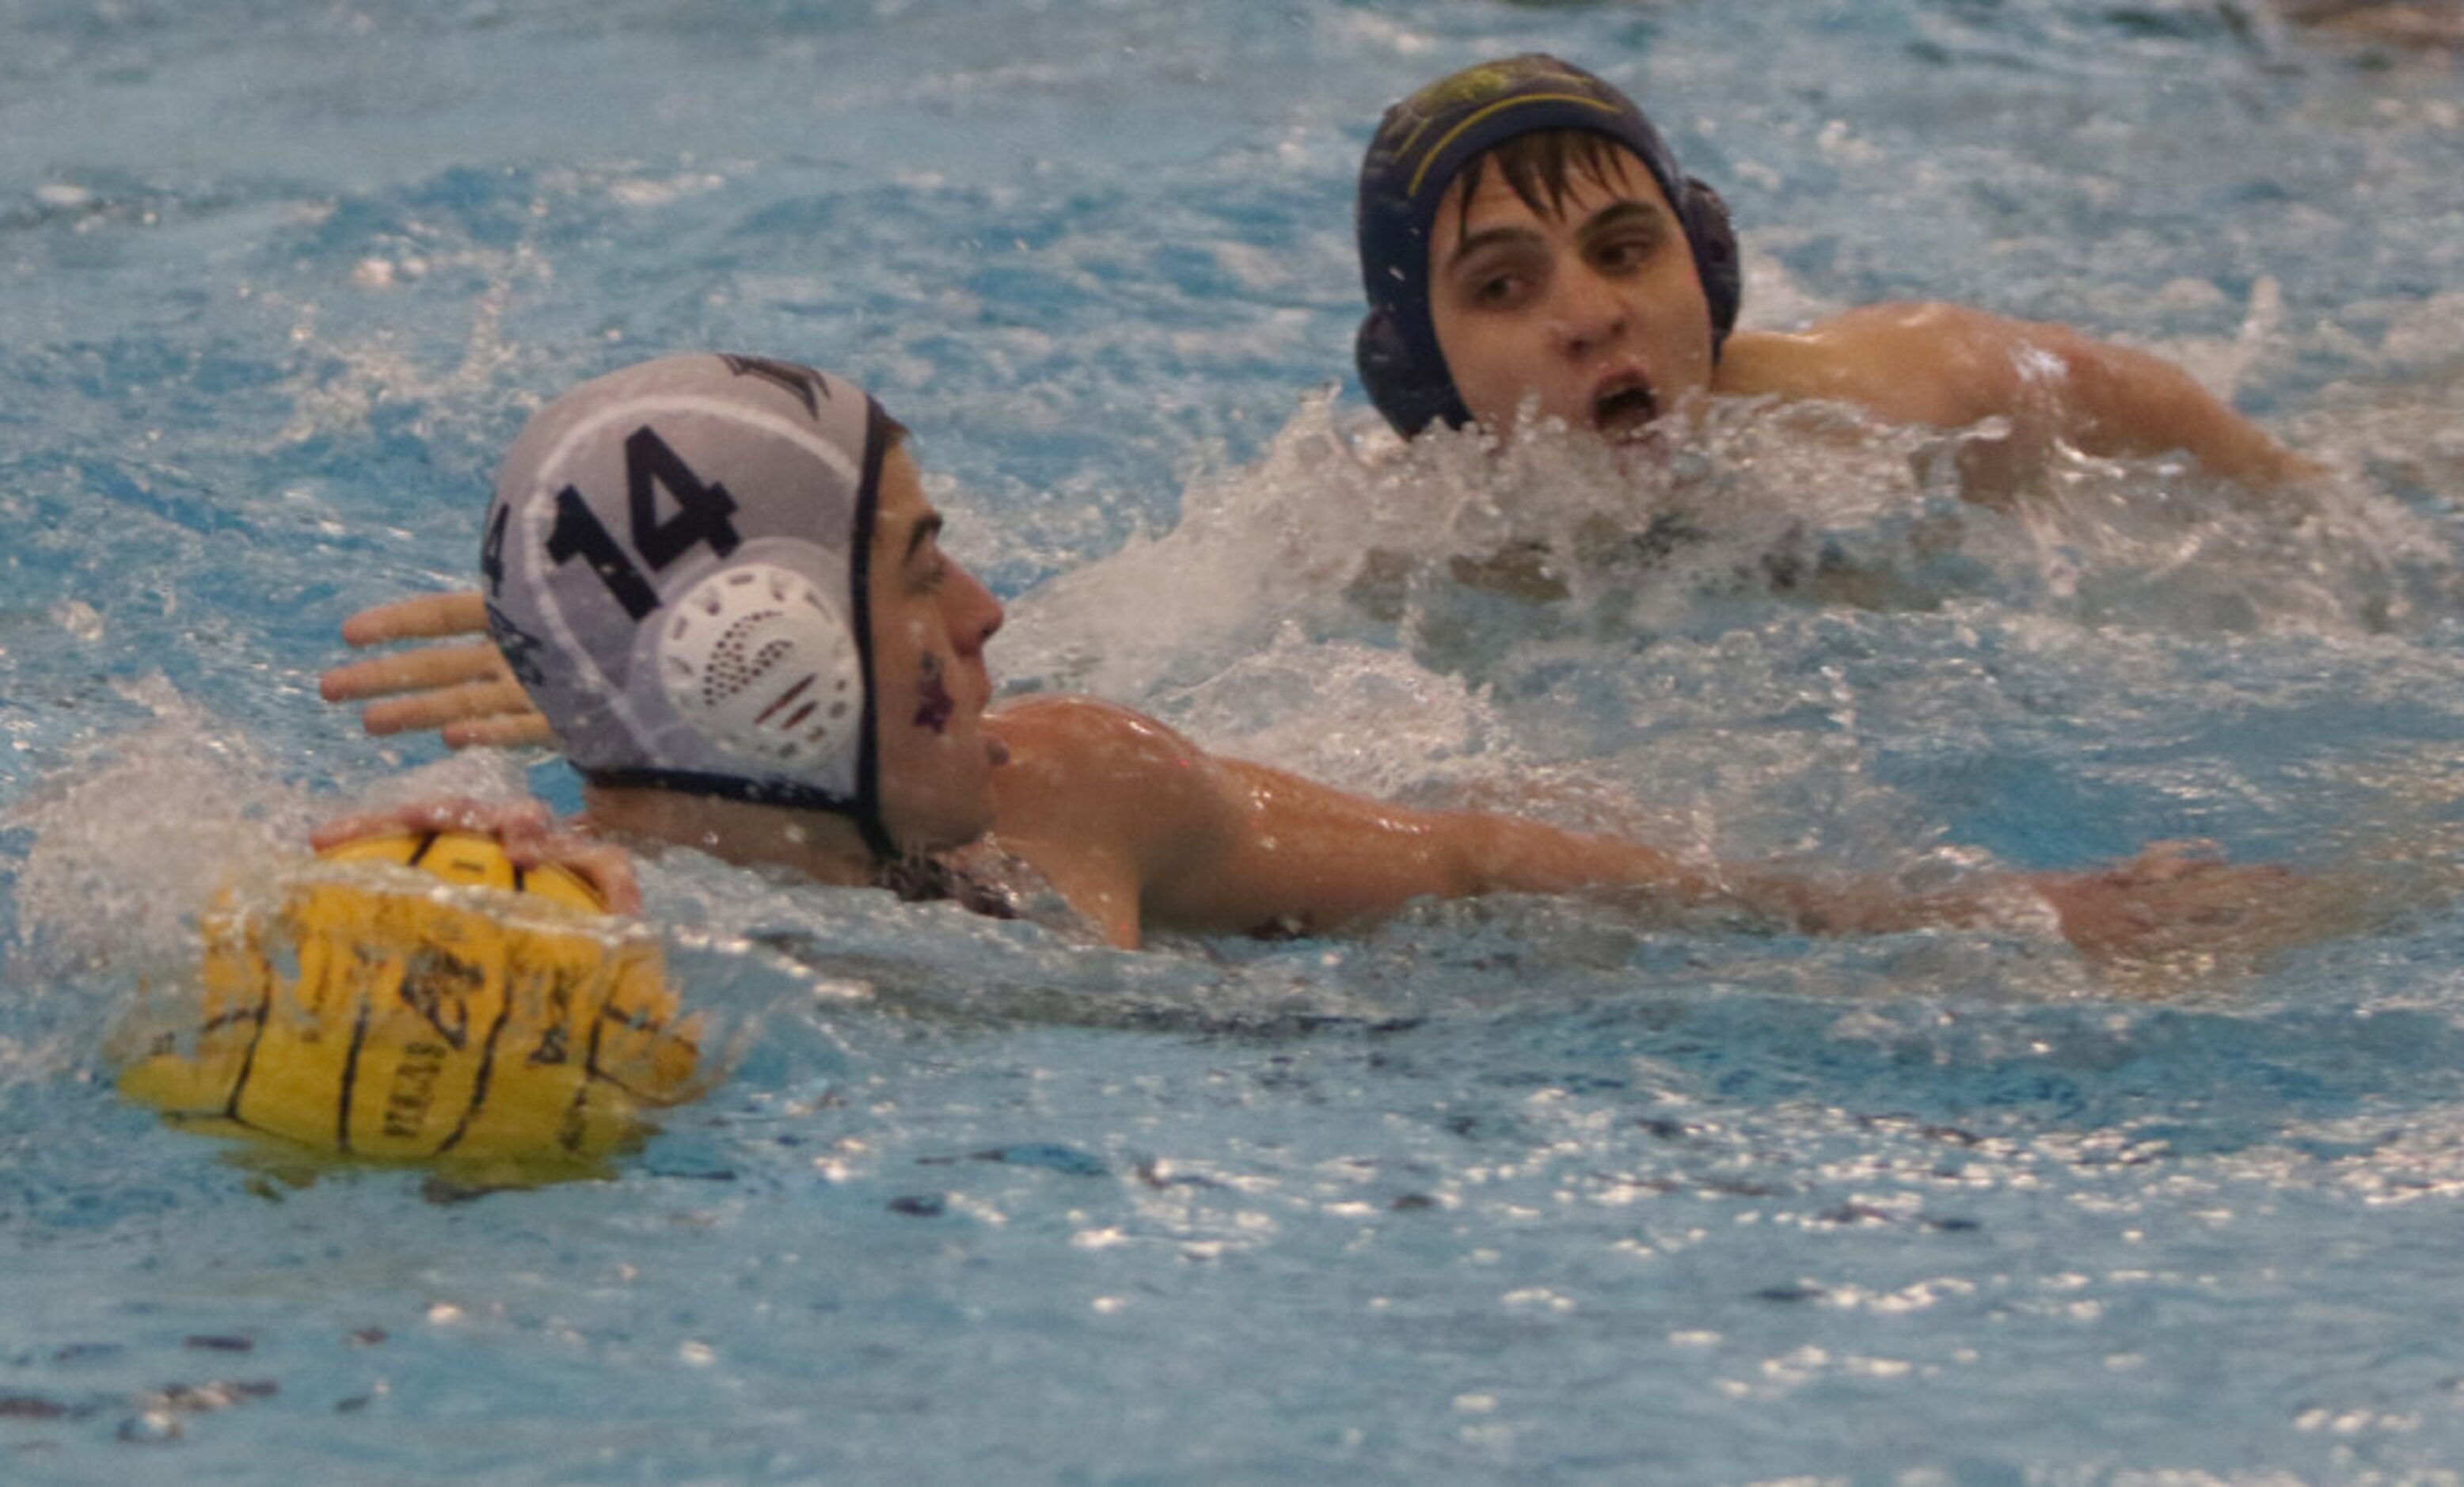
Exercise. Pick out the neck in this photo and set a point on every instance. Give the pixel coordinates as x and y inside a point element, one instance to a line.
<point>823,848</point>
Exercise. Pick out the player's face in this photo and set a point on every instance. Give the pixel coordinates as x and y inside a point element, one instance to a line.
<point>930,621</point>
<point>1594,315</point>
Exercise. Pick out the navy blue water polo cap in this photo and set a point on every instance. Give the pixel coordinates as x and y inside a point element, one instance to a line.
<point>1423,143</point>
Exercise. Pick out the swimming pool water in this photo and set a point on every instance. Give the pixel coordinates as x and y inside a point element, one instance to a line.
<point>1501,1191</point>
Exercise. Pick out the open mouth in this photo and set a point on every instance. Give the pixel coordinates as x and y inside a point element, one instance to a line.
<point>1625,406</point>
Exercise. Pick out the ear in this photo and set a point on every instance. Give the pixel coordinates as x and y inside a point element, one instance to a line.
<point>1715,257</point>
<point>1411,393</point>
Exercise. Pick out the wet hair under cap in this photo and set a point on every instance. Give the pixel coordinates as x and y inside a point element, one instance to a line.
<point>1453,125</point>
<point>676,568</point>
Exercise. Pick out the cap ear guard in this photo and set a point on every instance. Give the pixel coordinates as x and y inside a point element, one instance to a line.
<point>764,667</point>
<point>1409,392</point>
<point>1716,260</point>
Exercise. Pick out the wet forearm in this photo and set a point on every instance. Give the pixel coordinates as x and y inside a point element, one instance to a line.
<point>2116,400</point>
<point>1869,906</point>
<point>1521,857</point>
<point>1497,854</point>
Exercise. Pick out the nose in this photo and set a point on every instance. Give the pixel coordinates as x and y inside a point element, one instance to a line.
<point>976,616</point>
<point>1588,312</point>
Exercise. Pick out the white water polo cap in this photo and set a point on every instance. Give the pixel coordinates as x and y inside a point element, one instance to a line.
<point>677,570</point>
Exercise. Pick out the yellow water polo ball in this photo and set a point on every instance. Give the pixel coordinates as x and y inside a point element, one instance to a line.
<point>470,1012</point>
<point>471,860</point>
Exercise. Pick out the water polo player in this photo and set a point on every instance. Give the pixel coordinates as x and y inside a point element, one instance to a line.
<point>720,581</point>
<point>1532,250</point>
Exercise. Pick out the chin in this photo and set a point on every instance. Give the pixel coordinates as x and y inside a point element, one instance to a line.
<point>950,821</point>
<point>944,832</point>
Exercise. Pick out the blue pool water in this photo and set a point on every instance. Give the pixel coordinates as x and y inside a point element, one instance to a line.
<point>1506,1191</point>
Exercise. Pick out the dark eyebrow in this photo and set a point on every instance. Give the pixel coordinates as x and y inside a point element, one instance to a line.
<point>1623,212</point>
<point>1609,218</point>
<point>927,528</point>
<point>1488,238</point>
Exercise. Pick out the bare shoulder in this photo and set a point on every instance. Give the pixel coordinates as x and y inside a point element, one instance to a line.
<point>1079,764</point>
<point>1063,728</point>
<point>1951,367</point>
<point>1926,362</point>
<point>1108,803</point>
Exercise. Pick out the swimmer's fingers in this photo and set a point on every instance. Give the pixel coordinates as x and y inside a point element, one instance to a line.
<point>506,729</point>
<point>531,839</point>
<point>444,708</point>
<point>606,867</point>
<point>509,821</point>
<point>429,670</point>
<point>2163,861</point>
<point>2149,911</point>
<point>426,617</point>
<point>526,829</point>
<point>465,692</point>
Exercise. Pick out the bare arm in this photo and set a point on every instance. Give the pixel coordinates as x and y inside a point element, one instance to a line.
<point>462,690</point>
<point>1949,366</point>
<point>1303,857</point>
<point>1138,827</point>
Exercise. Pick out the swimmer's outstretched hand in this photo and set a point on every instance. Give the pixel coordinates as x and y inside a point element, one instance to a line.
<point>2180,899</point>
<point>526,829</point>
<point>2177,910</point>
<point>465,690</point>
